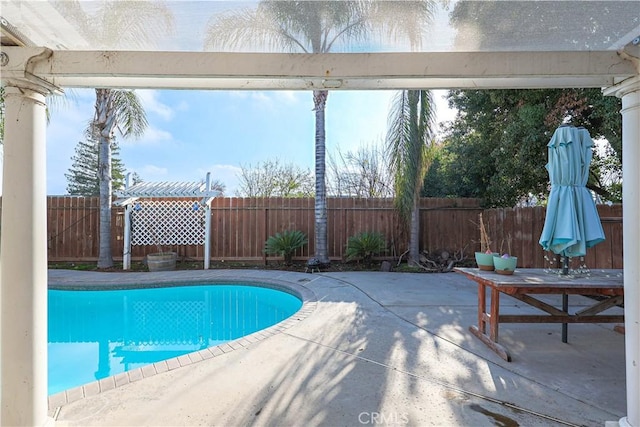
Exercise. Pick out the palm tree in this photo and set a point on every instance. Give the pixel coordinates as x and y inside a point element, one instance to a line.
<point>113,108</point>
<point>318,27</point>
<point>409,142</point>
<point>113,24</point>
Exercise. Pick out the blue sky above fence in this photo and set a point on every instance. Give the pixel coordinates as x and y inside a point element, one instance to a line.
<point>194,132</point>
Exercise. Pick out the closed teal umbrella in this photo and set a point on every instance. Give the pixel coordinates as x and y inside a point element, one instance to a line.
<point>572,223</point>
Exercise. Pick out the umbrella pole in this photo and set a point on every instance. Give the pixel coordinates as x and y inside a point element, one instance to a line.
<point>565,308</point>
<point>565,298</point>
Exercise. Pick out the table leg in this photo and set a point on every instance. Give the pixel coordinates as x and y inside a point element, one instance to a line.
<point>482,308</point>
<point>565,308</point>
<point>494,315</point>
<point>498,348</point>
<point>481,330</point>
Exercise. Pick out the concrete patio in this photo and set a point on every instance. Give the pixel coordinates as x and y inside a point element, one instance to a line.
<point>369,348</point>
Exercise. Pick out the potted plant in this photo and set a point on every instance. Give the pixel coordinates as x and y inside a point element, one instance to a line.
<point>162,261</point>
<point>484,258</point>
<point>506,264</point>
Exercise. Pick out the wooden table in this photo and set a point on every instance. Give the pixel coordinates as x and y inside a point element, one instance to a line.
<point>607,284</point>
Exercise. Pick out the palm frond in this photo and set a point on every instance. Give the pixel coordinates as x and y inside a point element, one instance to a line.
<point>130,115</point>
<point>365,245</point>
<point>120,23</point>
<point>317,26</point>
<point>403,20</point>
<point>245,28</point>
<point>409,137</point>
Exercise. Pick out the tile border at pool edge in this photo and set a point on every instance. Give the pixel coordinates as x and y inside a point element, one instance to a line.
<point>309,304</point>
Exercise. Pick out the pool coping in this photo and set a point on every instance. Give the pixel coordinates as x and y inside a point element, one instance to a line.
<point>144,280</point>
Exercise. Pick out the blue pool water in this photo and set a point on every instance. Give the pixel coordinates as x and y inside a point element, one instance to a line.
<point>96,334</point>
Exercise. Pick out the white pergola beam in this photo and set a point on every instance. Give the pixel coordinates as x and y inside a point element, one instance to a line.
<point>257,71</point>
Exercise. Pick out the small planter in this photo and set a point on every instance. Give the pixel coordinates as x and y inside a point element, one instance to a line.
<point>485,261</point>
<point>162,261</point>
<point>505,265</point>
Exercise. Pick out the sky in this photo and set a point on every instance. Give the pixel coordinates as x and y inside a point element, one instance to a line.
<point>191,133</point>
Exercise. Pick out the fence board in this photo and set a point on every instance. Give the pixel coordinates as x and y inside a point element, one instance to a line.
<point>526,225</point>
<point>241,226</point>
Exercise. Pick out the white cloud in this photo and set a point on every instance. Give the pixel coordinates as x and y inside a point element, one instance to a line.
<point>240,94</point>
<point>152,136</point>
<point>151,103</point>
<point>268,100</point>
<point>291,96</point>
<point>261,100</point>
<point>153,173</point>
<point>182,106</point>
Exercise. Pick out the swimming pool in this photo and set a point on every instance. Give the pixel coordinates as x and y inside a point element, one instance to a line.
<point>97,334</point>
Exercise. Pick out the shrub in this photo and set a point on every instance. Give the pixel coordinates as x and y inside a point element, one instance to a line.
<point>365,245</point>
<point>285,244</point>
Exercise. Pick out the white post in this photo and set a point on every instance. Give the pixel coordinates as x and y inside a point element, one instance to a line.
<point>23,349</point>
<point>126,252</point>
<point>207,235</point>
<point>629,91</point>
<point>207,223</point>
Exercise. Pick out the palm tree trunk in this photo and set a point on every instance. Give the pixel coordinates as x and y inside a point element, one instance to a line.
<point>105,257</point>
<point>104,122</point>
<point>319,101</point>
<point>414,234</point>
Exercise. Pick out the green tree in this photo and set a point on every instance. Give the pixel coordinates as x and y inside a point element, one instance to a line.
<point>82,179</point>
<point>409,145</point>
<point>529,25</point>
<point>496,148</point>
<point>318,27</point>
<point>111,25</point>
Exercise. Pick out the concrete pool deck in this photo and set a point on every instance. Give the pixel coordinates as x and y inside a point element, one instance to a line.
<point>370,348</point>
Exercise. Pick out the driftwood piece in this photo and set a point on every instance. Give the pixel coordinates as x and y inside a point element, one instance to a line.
<point>441,261</point>
<point>438,261</point>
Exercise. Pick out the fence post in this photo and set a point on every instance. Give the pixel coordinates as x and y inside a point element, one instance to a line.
<point>266,232</point>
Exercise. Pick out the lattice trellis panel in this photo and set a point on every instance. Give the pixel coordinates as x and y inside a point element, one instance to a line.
<point>166,223</point>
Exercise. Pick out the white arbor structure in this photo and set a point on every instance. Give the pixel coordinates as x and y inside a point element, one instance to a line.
<point>43,51</point>
<point>169,221</point>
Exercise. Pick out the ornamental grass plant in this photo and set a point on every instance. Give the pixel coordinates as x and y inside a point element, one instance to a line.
<point>285,244</point>
<point>364,246</point>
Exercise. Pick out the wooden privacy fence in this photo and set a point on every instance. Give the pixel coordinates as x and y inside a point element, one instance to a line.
<point>523,227</point>
<point>240,226</point>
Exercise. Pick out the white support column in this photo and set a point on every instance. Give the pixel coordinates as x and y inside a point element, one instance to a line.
<point>126,253</point>
<point>629,91</point>
<point>23,279</point>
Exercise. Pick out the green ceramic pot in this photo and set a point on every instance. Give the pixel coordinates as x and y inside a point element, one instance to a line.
<point>485,261</point>
<point>505,265</point>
